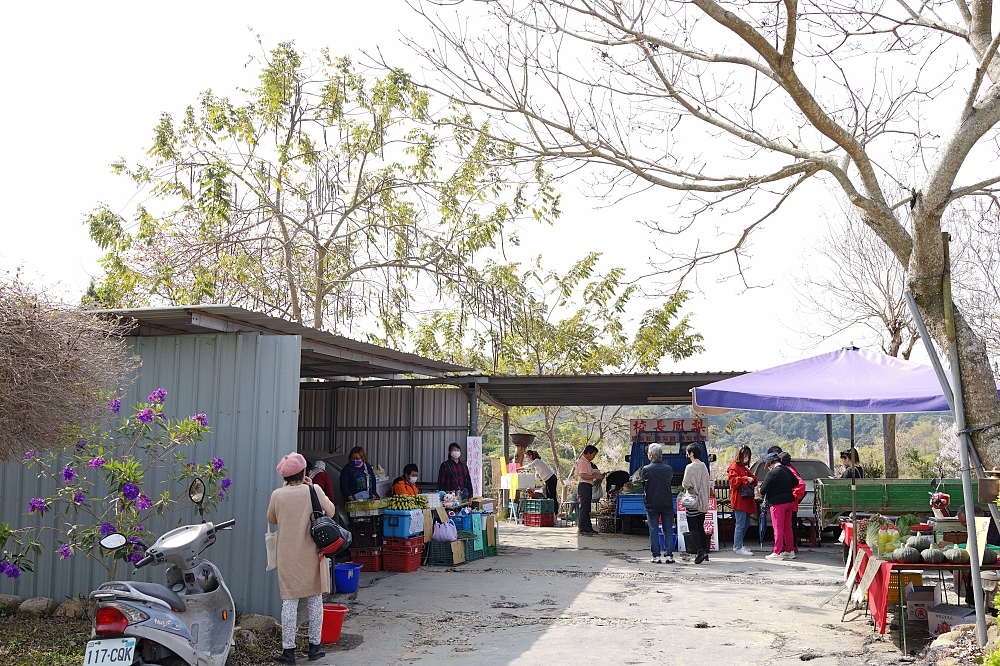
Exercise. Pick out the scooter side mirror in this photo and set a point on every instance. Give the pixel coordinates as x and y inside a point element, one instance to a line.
<point>113,541</point>
<point>196,491</point>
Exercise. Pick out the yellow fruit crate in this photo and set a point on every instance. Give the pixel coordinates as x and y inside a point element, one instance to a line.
<point>905,578</point>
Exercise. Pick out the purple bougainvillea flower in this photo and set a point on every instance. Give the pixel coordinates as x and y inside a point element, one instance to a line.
<point>80,443</point>
<point>68,474</point>
<point>115,405</point>
<point>79,498</point>
<point>145,416</point>
<point>157,396</point>
<point>190,465</point>
<point>143,503</point>
<point>226,483</point>
<point>3,566</point>
<point>202,419</point>
<point>36,504</point>
<point>106,529</point>
<point>134,540</point>
<point>221,495</point>
<point>217,464</point>
<point>65,552</point>
<point>139,528</point>
<point>30,454</point>
<point>130,491</point>
<point>97,462</point>
<point>12,571</point>
<point>135,557</point>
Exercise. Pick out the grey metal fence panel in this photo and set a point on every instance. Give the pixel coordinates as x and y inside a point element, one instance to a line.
<point>247,384</point>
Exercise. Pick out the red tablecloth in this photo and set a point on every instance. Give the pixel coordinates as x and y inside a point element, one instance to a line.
<point>878,591</point>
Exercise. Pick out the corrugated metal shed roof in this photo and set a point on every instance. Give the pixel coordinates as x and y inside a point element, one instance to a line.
<point>324,354</point>
<point>672,388</point>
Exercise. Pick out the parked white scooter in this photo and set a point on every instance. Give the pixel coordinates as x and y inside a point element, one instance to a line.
<point>187,622</point>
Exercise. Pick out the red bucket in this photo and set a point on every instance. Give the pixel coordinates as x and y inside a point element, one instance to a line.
<point>333,622</point>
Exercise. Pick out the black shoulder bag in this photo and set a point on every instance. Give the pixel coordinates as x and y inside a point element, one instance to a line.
<point>324,530</point>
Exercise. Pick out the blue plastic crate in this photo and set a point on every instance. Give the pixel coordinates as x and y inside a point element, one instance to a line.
<point>402,524</point>
<point>462,522</point>
<point>631,505</point>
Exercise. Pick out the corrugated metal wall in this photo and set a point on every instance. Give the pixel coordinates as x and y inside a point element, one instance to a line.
<point>247,384</point>
<point>378,419</point>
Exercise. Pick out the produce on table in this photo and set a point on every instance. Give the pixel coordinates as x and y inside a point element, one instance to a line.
<point>406,502</point>
<point>905,522</point>
<point>990,556</point>
<point>932,555</point>
<point>921,543</point>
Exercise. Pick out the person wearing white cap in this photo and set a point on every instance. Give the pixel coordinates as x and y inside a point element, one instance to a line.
<point>301,573</point>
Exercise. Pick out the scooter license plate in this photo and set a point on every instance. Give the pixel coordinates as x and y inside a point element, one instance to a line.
<point>118,651</point>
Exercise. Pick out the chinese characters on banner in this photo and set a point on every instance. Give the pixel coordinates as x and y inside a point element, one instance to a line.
<point>474,459</point>
<point>667,425</point>
<point>711,525</point>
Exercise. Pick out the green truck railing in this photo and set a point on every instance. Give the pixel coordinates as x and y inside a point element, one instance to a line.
<point>890,497</point>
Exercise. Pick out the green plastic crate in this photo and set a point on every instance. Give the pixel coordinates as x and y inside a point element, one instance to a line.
<point>539,506</point>
<point>439,554</point>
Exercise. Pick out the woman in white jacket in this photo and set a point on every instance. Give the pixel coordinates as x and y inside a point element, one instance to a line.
<point>698,482</point>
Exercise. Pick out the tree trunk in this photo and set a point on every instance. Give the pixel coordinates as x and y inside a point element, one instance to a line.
<point>891,460</point>
<point>926,270</point>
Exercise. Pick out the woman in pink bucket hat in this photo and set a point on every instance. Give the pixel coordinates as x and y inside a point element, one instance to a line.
<point>301,574</point>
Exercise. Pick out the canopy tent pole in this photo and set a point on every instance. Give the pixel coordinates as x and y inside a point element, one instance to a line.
<point>854,491</point>
<point>958,409</point>
<point>829,437</point>
<point>949,396</point>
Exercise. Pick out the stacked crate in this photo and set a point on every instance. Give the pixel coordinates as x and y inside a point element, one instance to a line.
<point>366,538</point>
<point>539,513</point>
<point>404,540</point>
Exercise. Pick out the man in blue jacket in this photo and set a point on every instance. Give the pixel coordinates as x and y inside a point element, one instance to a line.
<point>656,478</point>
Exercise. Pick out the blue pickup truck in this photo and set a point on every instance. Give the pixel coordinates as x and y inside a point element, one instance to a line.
<point>630,509</point>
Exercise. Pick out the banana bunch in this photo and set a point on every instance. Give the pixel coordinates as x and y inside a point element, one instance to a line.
<point>406,502</point>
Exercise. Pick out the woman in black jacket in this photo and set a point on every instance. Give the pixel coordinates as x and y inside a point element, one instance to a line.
<point>777,491</point>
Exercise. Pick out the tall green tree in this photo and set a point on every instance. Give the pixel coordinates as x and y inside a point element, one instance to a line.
<point>323,196</point>
<point>528,321</point>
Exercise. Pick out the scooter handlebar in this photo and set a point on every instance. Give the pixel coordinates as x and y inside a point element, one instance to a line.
<point>144,561</point>
<point>224,524</point>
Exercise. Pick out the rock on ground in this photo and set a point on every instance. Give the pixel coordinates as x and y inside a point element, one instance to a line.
<point>259,624</point>
<point>9,602</point>
<point>38,606</point>
<point>72,608</point>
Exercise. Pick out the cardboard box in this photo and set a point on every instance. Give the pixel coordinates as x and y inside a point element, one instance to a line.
<point>920,599</point>
<point>941,618</point>
<point>483,504</point>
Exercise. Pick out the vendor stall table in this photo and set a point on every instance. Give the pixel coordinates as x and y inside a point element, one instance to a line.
<point>878,591</point>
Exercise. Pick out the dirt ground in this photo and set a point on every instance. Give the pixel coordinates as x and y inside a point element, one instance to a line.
<point>554,597</point>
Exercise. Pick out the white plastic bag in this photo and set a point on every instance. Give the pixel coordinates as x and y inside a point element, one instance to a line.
<point>271,545</point>
<point>445,532</point>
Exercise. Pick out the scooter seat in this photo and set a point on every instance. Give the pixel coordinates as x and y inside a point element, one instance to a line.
<point>162,593</point>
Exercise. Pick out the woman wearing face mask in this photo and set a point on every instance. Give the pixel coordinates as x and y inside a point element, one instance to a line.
<point>407,483</point>
<point>454,474</point>
<point>357,480</point>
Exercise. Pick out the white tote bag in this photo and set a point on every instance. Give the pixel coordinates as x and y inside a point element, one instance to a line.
<point>271,544</point>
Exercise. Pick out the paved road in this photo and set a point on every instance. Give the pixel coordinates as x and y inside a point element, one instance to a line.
<point>554,598</point>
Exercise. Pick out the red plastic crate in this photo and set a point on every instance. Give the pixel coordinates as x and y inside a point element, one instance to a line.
<point>371,558</point>
<point>405,560</point>
<point>396,544</point>
<point>540,519</point>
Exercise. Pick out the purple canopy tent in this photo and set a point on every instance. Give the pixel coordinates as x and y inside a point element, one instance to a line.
<point>846,381</point>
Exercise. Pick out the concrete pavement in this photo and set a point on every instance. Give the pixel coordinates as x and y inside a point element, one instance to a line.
<point>553,597</point>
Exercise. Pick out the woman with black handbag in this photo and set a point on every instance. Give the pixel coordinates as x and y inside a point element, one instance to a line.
<point>301,573</point>
<point>742,484</point>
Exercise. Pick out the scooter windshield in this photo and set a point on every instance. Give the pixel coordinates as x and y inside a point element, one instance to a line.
<point>181,537</point>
